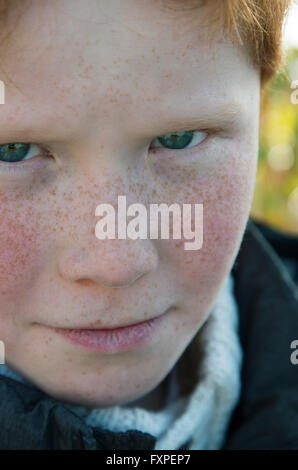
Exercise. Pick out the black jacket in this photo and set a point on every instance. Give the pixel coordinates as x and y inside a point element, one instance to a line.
<point>266,416</point>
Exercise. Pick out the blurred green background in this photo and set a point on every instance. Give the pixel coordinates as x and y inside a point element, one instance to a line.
<point>276,193</point>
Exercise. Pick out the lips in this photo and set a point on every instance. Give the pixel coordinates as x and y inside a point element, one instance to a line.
<point>108,328</point>
<point>93,326</point>
<point>112,340</point>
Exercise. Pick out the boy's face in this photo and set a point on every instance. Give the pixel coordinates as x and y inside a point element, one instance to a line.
<point>95,82</point>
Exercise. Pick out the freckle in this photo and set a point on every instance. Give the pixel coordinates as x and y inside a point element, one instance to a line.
<point>179,244</point>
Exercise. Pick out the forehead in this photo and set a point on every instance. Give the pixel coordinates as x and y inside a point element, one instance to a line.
<point>115,57</point>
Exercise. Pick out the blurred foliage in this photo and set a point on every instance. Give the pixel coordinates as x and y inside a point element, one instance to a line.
<point>276,193</point>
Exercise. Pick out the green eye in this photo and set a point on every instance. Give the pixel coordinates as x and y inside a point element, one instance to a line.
<point>181,140</point>
<point>17,152</point>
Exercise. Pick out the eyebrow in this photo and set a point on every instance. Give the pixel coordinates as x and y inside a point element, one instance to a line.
<point>226,116</point>
<point>221,116</point>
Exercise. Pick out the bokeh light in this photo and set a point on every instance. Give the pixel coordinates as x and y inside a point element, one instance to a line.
<point>276,193</point>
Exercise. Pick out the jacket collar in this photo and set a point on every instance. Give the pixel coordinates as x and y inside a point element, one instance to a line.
<point>266,416</point>
<point>32,420</point>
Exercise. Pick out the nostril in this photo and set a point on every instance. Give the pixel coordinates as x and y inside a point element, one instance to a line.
<point>110,263</point>
<point>85,282</point>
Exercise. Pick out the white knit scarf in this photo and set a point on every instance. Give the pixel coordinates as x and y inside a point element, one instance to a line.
<point>200,415</point>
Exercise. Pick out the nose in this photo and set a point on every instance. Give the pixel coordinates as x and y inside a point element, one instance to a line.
<point>110,263</point>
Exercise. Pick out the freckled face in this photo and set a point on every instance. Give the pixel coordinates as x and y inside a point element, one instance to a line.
<point>93,84</point>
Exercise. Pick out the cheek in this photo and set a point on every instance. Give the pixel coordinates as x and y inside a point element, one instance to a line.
<point>225,189</point>
<point>19,250</point>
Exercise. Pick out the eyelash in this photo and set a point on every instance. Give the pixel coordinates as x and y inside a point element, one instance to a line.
<point>206,132</point>
<point>164,149</point>
<point>35,163</point>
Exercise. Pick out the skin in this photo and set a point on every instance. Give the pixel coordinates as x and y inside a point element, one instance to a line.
<point>95,82</point>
